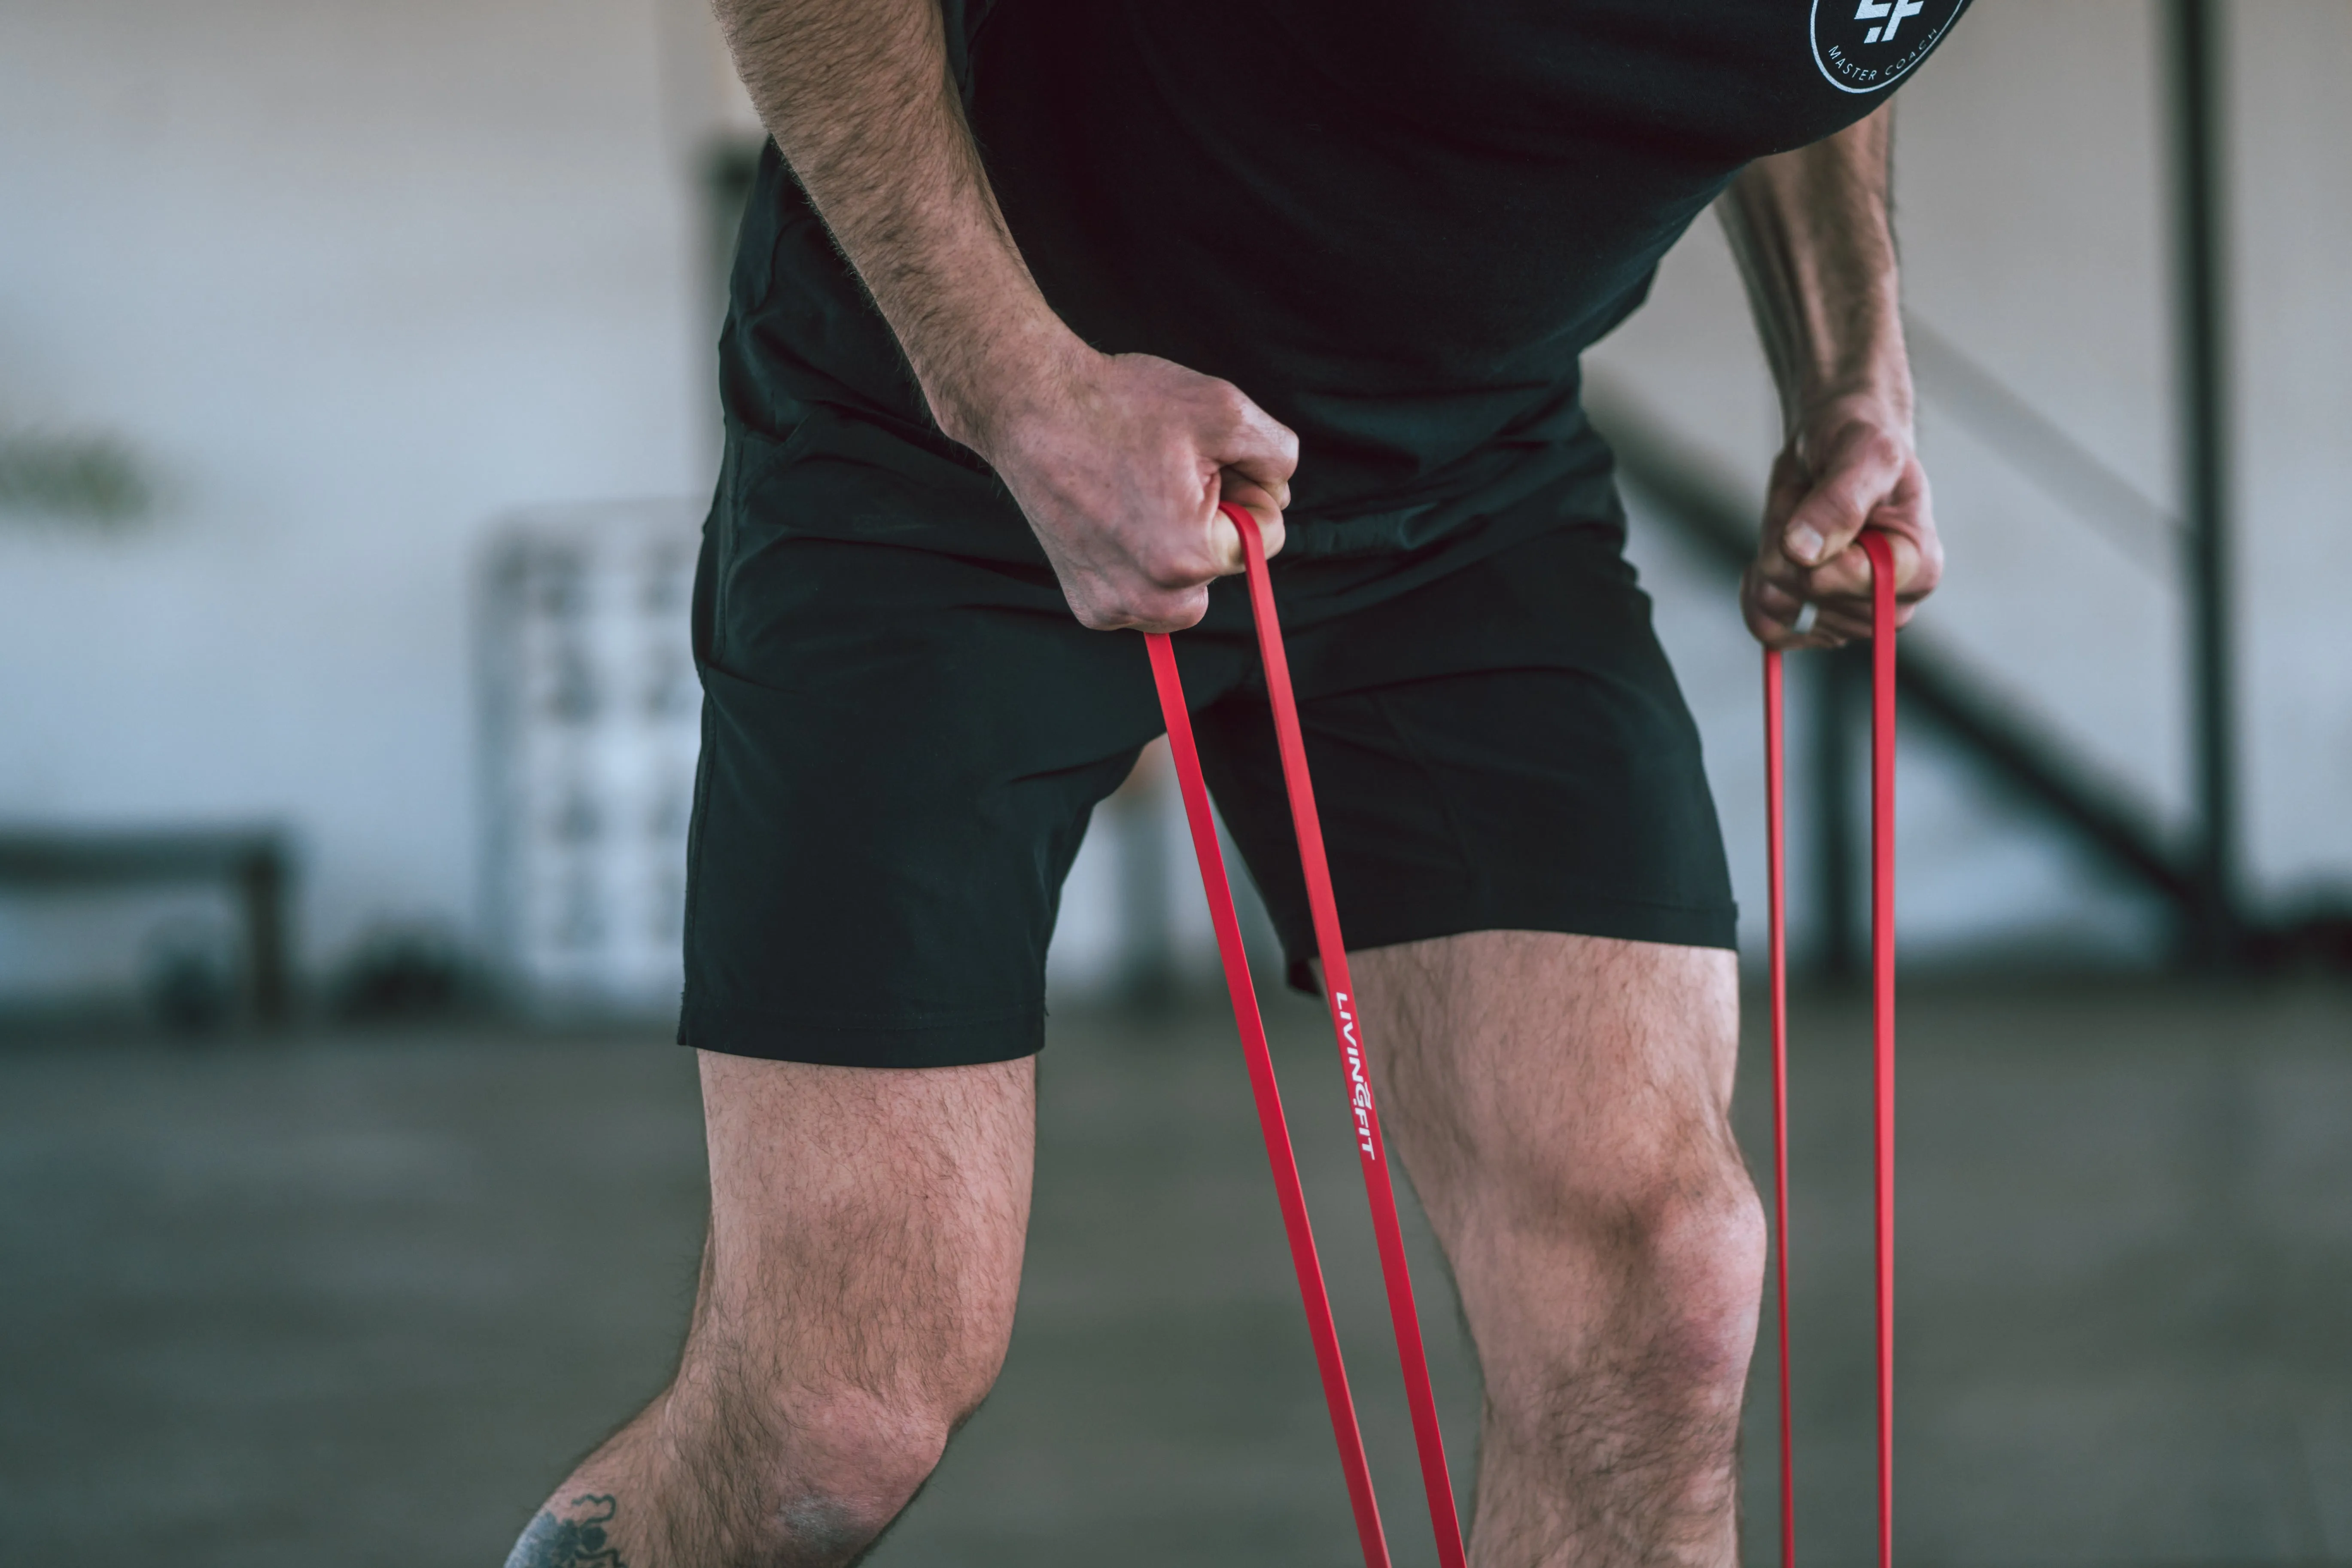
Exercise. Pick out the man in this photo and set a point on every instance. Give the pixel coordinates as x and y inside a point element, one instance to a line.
<point>1027,287</point>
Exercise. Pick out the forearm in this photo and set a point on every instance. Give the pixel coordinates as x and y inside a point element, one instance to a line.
<point>1813,237</point>
<point>1121,462</point>
<point>859,98</point>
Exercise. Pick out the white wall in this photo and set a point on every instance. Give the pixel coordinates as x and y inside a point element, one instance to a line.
<point>356,279</point>
<point>353,279</point>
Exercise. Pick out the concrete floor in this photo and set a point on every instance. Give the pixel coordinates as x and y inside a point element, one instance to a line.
<point>358,1301</point>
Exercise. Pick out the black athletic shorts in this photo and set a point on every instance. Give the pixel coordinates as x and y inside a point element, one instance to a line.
<point>901,747</point>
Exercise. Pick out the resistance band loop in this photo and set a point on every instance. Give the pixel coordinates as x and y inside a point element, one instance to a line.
<point>1340,993</point>
<point>1882,1028</point>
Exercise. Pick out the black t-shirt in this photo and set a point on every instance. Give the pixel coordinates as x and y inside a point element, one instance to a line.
<point>1396,225</point>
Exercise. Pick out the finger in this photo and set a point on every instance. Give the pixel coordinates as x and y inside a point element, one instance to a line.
<point>1162,611</point>
<point>1225,544</point>
<point>1861,621</point>
<point>1919,567</point>
<point>1773,615</point>
<point>1261,504</point>
<point>1843,627</point>
<point>1844,578</point>
<point>1772,633</point>
<point>1773,565</point>
<point>1864,471</point>
<point>1856,617</point>
<point>1177,613</point>
<point>1777,603</point>
<point>1847,578</point>
<point>1784,640</point>
<point>1256,444</point>
<point>1787,485</point>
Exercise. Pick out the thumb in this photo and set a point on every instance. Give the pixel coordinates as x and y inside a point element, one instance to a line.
<point>1861,474</point>
<point>1825,522</point>
<point>1254,447</point>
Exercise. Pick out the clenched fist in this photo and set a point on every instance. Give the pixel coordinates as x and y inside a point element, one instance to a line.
<point>1119,462</point>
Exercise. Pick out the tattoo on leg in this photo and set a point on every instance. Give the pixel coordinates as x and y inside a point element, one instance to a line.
<point>578,1541</point>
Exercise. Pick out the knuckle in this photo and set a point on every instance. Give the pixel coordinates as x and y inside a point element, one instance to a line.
<point>1169,612</point>
<point>1188,609</point>
<point>1172,568</point>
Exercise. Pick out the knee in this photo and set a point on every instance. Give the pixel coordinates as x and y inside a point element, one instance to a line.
<point>1625,1342</point>
<point>809,1478</point>
<point>1704,1250</point>
<point>847,1461</point>
<point>1685,1246</point>
<point>1651,1263</point>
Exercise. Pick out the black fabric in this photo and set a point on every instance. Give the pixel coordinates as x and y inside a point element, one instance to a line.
<point>1395,224</point>
<point>901,749</point>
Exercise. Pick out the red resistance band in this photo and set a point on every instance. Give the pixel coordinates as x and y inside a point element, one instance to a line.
<point>1372,1155</point>
<point>1339,993</point>
<point>1882,1021</point>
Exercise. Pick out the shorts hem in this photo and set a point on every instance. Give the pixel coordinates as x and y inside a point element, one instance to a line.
<point>950,1042</point>
<point>1617,919</point>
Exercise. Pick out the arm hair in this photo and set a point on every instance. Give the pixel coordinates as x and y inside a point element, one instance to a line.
<point>859,98</point>
<point>1815,242</point>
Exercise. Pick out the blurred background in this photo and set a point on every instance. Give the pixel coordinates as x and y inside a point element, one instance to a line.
<point>356,423</point>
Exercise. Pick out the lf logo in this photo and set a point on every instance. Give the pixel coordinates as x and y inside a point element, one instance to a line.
<point>1869,47</point>
<point>1891,12</point>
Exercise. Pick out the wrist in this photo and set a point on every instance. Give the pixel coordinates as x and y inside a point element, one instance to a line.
<point>1879,395</point>
<point>1000,375</point>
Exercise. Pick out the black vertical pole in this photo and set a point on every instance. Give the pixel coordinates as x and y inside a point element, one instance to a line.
<point>261,877</point>
<point>1833,810</point>
<point>2196,29</point>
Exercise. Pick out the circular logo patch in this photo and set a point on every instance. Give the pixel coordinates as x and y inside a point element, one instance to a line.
<point>1865,45</point>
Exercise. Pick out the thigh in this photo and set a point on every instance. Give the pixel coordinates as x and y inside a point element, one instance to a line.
<point>865,1239</point>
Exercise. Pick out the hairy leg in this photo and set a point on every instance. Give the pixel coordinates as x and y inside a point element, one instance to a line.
<point>857,1294</point>
<point>1562,1104</point>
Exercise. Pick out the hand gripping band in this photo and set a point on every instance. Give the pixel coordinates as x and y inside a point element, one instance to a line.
<point>1882,1021</point>
<point>1339,993</point>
